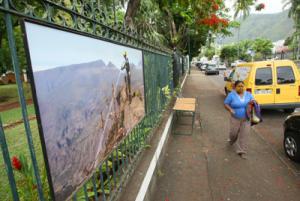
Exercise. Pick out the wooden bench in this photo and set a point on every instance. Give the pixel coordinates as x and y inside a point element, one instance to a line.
<point>186,100</point>
<point>185,105</point>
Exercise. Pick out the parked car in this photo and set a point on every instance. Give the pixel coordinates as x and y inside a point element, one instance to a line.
<point>203,67</point>
<point>274,84</point>
<point>291,142</point>
<point>235,63</point>
<point>198,64</point>
<point>211,70</point>
<point>221,66</point>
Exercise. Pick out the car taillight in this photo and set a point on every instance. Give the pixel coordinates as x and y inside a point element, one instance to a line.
<point>249,90</point>
<point>299,91</point>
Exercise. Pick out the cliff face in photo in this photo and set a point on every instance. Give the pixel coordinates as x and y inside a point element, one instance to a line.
<point>83,108</point>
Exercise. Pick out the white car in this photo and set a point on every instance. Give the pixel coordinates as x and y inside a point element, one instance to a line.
<point>222,66</point>
<point>235,63</point>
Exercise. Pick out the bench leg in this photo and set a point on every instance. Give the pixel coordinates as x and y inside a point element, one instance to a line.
<point>193,122</point>
<point>177,115</point>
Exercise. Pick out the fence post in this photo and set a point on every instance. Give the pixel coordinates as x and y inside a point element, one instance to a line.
<point>16,67</point>
<point>7,162</point>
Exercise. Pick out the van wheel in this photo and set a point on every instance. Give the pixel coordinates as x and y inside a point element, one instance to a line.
<point>291,144</point>
<point>290,110</point>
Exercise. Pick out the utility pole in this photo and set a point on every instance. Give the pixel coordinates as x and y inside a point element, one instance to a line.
<point>189,47</point>
<point>238,39</point>
<point>238,43</point>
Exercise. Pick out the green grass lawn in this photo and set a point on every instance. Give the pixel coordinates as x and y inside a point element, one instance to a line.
<point>17,144</point>
<point>9,93</point>
<point>14,115</point>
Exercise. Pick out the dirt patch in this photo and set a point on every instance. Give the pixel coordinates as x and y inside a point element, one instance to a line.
<point>13,105</point>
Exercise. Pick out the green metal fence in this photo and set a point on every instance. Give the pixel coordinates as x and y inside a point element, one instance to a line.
<point>96,19</point>
<point>179,67</point>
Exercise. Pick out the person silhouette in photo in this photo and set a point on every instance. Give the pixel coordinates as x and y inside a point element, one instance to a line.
<point>126,66</point>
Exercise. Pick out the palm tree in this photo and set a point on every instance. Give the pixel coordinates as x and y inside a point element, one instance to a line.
<point>243,6</point>
<point>295,14</point>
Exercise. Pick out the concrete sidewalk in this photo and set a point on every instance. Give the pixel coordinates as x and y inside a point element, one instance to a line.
<point>204,167</point>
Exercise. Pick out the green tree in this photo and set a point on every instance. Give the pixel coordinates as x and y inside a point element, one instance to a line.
<point>244,47</point>
<point>294,13</point>
<point>209,53</point>
<point>243,6</point>
<point>182,21</point>
<point>229,53</point>
<point>262,46</point>
<point>177,23</point>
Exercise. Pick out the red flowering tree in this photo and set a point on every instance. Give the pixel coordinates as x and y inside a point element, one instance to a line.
<point>187,25</point>
<point>215,19</point>
<point>215,22</point>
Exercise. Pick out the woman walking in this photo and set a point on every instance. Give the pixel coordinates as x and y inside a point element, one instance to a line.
<point>236,103</point>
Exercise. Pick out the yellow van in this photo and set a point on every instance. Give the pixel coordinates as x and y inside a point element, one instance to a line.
<point>274,84</point>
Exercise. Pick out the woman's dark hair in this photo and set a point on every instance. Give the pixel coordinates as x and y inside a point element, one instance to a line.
<point>238,82</point>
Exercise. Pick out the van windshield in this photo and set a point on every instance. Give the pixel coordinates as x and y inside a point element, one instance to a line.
<point>241,73</point>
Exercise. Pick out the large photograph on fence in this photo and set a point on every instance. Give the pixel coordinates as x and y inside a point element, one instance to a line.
<point>90,94</point>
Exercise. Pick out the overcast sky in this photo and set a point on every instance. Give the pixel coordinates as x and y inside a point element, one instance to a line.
<point>50,48</point>
<point>272,6</point>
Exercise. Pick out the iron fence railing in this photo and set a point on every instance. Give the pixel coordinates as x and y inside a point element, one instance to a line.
<point>96,19</point>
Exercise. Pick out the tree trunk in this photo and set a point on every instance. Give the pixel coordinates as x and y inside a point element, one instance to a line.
<point>132,8</point>
<point>173,30</point>
<point>2,64</point>
<point>172,23</point>
<point>1,36</point>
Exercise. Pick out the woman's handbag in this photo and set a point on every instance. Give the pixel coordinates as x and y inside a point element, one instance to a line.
<point>254,118</point>
<point>253,113</point>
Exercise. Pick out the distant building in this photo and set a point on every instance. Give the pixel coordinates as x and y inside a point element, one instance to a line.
<point>10,78</point>
<point>281,51</point>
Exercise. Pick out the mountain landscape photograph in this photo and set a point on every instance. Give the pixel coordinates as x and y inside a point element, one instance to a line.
<point>86,107</point>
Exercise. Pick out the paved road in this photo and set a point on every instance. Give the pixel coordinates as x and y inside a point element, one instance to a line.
<point>204,167</point>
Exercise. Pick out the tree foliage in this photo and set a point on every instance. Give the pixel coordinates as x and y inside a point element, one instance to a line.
<point>294,13</point>
<point>229,53</point>
<point>243,6</point>
<point>172,23</point>
<point>178,22</point>
<point>209,53</point>
<point>262,49</point>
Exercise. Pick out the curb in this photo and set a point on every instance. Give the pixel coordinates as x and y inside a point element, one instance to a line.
<point>145,188</point>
